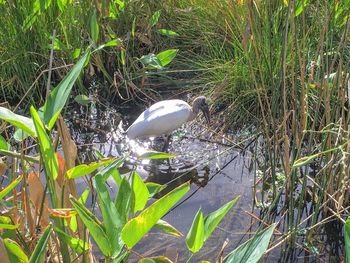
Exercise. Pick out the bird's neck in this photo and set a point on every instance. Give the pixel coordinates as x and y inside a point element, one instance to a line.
<point>193,114</point>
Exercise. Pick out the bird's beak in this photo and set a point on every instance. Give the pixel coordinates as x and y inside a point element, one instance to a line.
<point>206,114</point>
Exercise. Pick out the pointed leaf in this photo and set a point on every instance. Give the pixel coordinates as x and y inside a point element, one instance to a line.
<point>124,200</point>
<point>94,29</point>
<point>154,19</point>
<point>60,94</point>
<point>111,218</point>
<point>40,247</point>
<point>3,144</point>
<point>10,187</point>
<point>19,121</point>
<point>15,250</point>
<point>252,250</point>
<point>154,188</point>
<point>195,236</point>
<point>213,219</point>
<point>167,56</point>
<point>85,169</point>
<point>166,227</point>
<point>140,192</point>
<point>95,227</point>
<point>45,146</point>
<point>167,32</point>
<point>347,239</point>
<point>137,227</point>
<point>152,155</point>
<point>76,244</point>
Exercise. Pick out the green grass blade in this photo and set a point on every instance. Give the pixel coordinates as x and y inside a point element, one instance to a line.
<point>195,236</point>
<point>60,94</point>
<point>94,29</point>
<point>252,250</point>
<point>213,219</point>
<point>40,248</point>
<point>45,145</point>
<point>9,188</point>
<point>19,121</point>
<point>95,227</point>
<point>152,155</point>
<point>137,227</point>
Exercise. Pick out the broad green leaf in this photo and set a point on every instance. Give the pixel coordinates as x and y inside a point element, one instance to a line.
<point>347,239</point>
<point>111,43</point>
<point>94,29</point>
<point>151,61</point>
<point>10,187</point>
<point>45,146</point>
<point>19,121</point>
<point>140,192</point>
<point>95,227</point>
<point>195,236</point>
<point>213,219</point>
<point>40,248</point>
<point>137,227</point>
<point>111,219</point>
<point>124,200</point>
<point>20,135</point>
<point>83,99</point>
<point>166,227</point>
<point>252,250</point>
<point>154,19</point>
<point>73,224</point>
<point>156,155</point>
<point>167,32</point>
<point>59,96</point>
<point>167,56</point>
<point>76,53</point>
<point>3,144</point>
<point>76,244</point>
<point>85,169</point>
<point>5,220</point>
<point>15,250</point>
<point>8,226</point>
<point>154,188</point>
<point>300,6</point>
<point>112,170</point>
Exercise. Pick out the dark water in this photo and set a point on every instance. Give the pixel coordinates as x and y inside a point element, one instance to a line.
<point>218,172</point>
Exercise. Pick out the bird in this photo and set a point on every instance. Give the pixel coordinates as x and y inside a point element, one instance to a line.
<point>163,117</point>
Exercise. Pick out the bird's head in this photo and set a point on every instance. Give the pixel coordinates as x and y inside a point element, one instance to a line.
<point>200,103</point>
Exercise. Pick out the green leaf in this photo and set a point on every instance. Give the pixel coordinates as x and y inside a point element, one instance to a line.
<point>137,227</point>
<point>252,250</point>
<point>76,53</point>
<point>59,96</point>
<point>73,224</point>
<point>76,244</point>
<point>167,56</point>
<point>15,250</point>
<point>20,135</point>
<point>154,19</point>
<point>154,188</point>
<point>300,6</point>
<point>213,219</point>
<point>140,192</point>
<point>62,4</point>
<point>195,236</point>
<point>3,144</point>
<point>40,248</point>
<point>82,99</point>
<point>19,121</point>
<point>133,26</point>
<point>95,227</point>
<point>45,146</point>
<point>124,200</point>
<point>94,29</point>
<point>8,226</point>
<point>307,159</point>
<point>166,227</point>
<point>156,155</point>
<point>347,239</point>
<point>167,32</point>
<point>9,188</point>
<point>111,218</point>
<point>85,169</point>
<point>151,61</point>
<point>111,43</point>
<point>159,259</point>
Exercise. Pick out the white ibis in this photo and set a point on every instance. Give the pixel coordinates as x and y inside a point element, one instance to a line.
<point>166,116</point>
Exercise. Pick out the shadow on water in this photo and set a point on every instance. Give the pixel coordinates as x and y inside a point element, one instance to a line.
<point>217,171</point>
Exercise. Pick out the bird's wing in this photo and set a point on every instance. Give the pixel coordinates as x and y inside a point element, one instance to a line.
<point>161,118</point>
